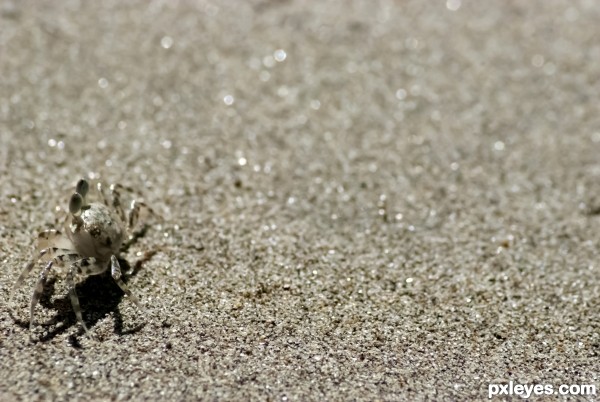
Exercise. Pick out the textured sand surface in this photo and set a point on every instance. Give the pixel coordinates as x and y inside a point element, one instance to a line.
<point>367,200</point>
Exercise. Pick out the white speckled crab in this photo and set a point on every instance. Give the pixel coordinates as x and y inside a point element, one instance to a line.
<point>91,243</point>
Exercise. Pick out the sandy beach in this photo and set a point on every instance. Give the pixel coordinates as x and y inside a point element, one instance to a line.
<point>367,200</point>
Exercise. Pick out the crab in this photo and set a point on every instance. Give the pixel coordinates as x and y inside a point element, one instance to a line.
<point>92,239</point>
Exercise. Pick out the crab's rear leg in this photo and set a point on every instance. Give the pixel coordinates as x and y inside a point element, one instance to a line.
<point>136,222</point>
<point>100,189</point>
<point>116,203</point>
<point>138,215</point>
<point>138,211</point>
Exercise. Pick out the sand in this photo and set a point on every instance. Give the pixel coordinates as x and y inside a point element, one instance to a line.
<point>360,200</point>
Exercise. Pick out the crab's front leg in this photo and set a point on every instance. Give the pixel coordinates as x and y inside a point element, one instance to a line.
<point>50,243</point>
<point>115,271</point>
<point>37,292</point>
<point>86,267</point>
<point>39,287</point>
<point>47,253</point>
<point>53,238</point>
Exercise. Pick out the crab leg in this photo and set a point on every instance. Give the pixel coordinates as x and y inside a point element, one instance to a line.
<point>39,287</point>
<point>115,270</point>
<point>86,266</point>
<point>49,252</point>
<point>53,238</point>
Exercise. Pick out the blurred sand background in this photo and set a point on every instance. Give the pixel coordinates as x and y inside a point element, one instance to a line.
<point>363,200</point>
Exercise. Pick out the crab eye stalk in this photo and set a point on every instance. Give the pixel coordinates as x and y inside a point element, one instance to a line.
<point>82,187</point>
<point>75,203</point>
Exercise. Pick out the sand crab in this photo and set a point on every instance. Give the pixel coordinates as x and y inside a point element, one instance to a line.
<point>91,242</point>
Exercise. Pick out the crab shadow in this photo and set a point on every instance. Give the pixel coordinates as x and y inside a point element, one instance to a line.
<point>99,297</point>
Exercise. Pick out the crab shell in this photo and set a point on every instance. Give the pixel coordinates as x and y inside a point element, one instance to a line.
<point>98,232</point>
